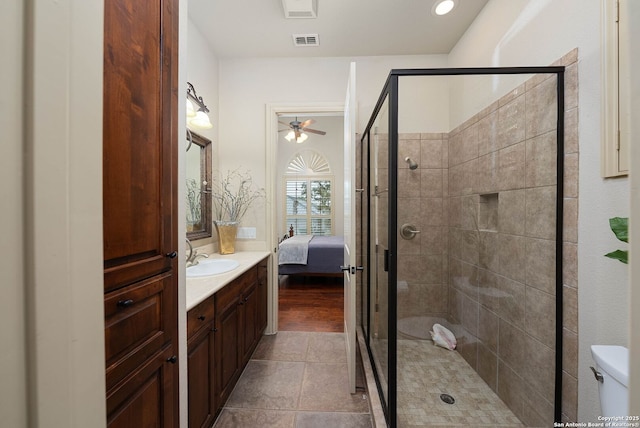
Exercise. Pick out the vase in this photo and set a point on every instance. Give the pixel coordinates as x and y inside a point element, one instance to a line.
<point>227,232</point>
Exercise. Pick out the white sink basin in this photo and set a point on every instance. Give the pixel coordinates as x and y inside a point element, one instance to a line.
<point>211,267</point>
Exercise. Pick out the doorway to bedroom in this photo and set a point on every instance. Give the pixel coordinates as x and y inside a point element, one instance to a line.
<point>308,190</point>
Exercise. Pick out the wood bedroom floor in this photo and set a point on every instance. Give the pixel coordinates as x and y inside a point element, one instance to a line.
<point>311,304</point>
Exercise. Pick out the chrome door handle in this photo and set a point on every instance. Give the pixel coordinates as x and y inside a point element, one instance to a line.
<point>351,269</point>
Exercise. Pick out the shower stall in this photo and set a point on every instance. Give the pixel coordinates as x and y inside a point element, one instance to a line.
<point>462,176</point>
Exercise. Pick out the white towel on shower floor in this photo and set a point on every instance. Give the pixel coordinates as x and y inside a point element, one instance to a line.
<point>443,337</point>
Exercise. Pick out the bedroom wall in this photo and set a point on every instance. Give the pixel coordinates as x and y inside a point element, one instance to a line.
<point>509,33</point>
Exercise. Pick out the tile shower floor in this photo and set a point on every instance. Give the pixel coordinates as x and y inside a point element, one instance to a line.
<point>296,379</point>
<point>425,371</point>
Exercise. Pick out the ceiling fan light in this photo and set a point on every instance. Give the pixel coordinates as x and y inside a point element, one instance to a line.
<point>290,136</point>
<point>302,138</point>
<point>201,120</point>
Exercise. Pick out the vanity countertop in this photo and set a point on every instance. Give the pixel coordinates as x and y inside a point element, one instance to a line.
<point>198,289</point>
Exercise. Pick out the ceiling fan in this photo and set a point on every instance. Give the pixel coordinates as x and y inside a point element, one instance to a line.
<point>297,130</point>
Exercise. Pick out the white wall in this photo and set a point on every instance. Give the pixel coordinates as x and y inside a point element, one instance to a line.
<point>62,238</point>
<point>201,70</point>
<point>13,368</point>
<point>248,85</point>
<point>634,302</point>
<point>538,32</point>
<point>423,104</point>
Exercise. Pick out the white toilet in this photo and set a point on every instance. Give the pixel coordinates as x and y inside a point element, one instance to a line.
<point>612,373</point>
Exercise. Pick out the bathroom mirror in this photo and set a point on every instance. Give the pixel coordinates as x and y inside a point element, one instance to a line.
<point>198,183</point>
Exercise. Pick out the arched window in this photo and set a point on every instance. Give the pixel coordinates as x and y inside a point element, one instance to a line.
<point>308,186</point>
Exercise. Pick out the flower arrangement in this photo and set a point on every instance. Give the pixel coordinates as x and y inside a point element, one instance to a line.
<point>233,195</point>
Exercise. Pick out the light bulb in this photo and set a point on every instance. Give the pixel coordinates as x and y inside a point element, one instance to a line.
<point>443,7</point>
<point>303,137</point>
<point>290,136</point>
<point>201,120</point>
<point>191,112</point>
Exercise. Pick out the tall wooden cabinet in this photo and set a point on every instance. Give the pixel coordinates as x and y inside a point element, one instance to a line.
<point>140,142</point>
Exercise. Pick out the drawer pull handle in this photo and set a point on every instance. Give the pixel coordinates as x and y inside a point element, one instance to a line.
<point>172,255</point>
<point>172,359</point>
<point>125,303</point>
<point>201,317</point>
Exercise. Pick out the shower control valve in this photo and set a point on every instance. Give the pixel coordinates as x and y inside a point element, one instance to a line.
<point>408,231</point>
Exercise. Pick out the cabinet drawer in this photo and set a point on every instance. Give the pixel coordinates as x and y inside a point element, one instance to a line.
<point>232,291</point>
<point>137,324</point>
<point>200,316</point>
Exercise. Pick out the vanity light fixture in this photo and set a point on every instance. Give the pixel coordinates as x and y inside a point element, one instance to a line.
<point>198,118</point>
<point>191,111</point>
<point>442,7</point>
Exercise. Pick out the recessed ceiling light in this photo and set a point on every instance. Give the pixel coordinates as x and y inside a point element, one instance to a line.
<point>442,7</point>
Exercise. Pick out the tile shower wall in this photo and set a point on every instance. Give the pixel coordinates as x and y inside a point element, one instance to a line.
<point>422,202</point>
<point>501,249</point>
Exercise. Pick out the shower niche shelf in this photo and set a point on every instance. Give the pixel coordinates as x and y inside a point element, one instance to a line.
<point>488,212</point>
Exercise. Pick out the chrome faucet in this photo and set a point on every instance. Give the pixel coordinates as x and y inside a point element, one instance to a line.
<point>192,258</point>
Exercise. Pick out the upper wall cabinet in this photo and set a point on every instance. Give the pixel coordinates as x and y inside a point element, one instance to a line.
<point>616,102</point>
<point>139,139</point>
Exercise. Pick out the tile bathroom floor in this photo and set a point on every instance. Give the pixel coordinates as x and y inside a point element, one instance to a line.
<point>296,379</point>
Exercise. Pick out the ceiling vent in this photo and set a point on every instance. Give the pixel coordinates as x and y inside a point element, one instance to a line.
<point>300,8</point>
<point>305,40</point>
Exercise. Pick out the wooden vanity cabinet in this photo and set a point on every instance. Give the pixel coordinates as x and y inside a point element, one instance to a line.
<point>201,368</point>
<point>238,308</point>
<point>261,322</point>
<point>229,335</point>
<point>222,333</point>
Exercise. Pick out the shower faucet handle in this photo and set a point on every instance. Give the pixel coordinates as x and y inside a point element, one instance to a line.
<point>408,231</point>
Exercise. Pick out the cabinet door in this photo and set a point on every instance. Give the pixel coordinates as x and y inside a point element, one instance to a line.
<point>261,324</point>
<point>202,402</point>
<point>145,398</point>
<point>139,139</point>
<point>249,314</point>
<point>227,350</point>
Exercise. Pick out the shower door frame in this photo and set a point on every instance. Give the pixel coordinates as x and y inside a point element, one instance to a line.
<point>390,93</point>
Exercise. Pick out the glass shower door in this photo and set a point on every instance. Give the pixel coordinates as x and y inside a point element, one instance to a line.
<point>479,185</point>
<point>378,180</point>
